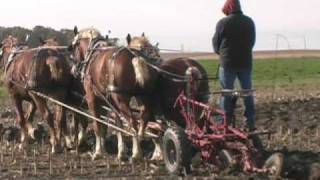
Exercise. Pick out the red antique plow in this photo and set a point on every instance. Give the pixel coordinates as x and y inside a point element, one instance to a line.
<point>218,142</point>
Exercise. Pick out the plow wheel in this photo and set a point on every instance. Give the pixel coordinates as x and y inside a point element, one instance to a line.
<point>176,151</point>
<point>275,163</point>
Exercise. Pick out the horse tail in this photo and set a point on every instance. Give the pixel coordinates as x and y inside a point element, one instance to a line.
<point>141,70</point>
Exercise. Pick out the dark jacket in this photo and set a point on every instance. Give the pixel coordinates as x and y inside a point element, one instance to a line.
<point>233,41</point>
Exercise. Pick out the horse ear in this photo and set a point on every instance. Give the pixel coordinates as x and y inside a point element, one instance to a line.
<point>107,37</point>
<point>143,35</point>
<point>75,30</point>
<point>157,45</point>
<point>42,42</point>
<point>128,39</point>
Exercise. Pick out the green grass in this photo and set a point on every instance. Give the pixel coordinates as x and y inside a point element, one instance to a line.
<point>3,92</point>
<point>278,72</point>
<point>267,73</point>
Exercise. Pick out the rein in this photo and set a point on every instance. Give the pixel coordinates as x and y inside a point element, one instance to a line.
<point>172,76</point>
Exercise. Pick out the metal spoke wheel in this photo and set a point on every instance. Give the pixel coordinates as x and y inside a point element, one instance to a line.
<point>275,163</point>
<point>177,151</point>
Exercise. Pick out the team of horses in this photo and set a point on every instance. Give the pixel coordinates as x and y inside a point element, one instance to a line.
<point>95,74</point>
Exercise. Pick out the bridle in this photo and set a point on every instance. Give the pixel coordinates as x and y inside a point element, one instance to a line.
<point>9,43</point>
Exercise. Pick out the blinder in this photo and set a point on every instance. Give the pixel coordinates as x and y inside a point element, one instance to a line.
<point>70,47</point>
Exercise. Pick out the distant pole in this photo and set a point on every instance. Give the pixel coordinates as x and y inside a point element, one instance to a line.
<point>182,48</point>
<point>285,38</point>
<point>305,42</point>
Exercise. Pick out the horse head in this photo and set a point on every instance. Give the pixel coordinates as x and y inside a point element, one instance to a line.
<point>145,55</point>
<point>7,46</point>
<point>51,60</point>
<point>82,42</point>
<point>142,44</point>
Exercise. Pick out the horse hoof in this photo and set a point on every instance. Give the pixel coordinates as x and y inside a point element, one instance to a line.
<point>57,149</point>
<point>95,156</point>
<point>156,157</point>
<point>136,158</point>
<point>31,133</point>
<point>69,145</point>
<point>21,147</point>
<point>121,158</point>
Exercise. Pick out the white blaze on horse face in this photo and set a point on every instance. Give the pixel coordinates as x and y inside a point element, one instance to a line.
<point>136,44</point>
<point>75,39</point>
<point>140,70</point>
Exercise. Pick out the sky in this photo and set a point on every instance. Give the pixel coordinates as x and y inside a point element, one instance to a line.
<point>175,24</point>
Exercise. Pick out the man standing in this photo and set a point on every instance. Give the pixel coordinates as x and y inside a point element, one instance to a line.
<point>233,42</point>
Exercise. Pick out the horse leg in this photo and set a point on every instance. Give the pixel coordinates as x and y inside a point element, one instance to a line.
<point>93,106</point>
<point>45,113</point>
<point>124,105</point>
<point>29,119</point>
<point>79,134</point>
<point>157,154</point>
<point>98,129</point>
<point>60,119</point>
<point>146,116</point>
<point>121,145</point>
<point>21,121</point>
<point>60,115</point>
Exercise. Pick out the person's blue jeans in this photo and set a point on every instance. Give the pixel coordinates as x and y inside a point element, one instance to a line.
<point>227,79</point>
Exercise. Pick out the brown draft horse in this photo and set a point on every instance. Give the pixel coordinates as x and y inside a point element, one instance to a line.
<point>171,82</point>
<point>113,75</point>
<point>43,69</point>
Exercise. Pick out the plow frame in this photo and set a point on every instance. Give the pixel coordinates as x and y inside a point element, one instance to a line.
<point>209,136</point>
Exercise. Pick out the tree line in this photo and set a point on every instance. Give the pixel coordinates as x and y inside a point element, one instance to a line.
<point>64,36</point>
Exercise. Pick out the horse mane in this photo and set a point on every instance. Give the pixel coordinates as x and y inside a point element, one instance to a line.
<point>91,33</point>
<point>137,41</point>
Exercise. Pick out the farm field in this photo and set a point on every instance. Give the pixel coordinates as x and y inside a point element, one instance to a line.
<point>286,72</point>
<point>287,102</point>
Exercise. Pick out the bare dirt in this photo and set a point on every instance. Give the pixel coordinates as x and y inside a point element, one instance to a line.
<point>293,115</point>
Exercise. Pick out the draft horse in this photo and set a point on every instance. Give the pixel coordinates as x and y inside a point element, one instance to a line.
<point>171,82</point>
<point>43,69</point>
<point>112,76</point>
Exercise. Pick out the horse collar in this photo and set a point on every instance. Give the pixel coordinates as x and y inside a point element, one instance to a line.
<point>94,43</point>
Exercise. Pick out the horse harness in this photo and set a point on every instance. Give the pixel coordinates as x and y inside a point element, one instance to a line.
<point>150,61</point>
<point>82,66</point>
<point>34,65</point>
<point>14,52</point>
